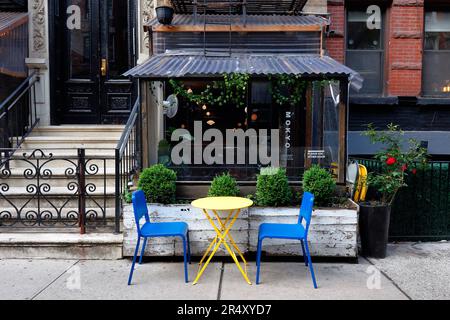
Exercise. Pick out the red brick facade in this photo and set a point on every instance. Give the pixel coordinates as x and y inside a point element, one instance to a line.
<point>336,41</point>
<point>404,46</point>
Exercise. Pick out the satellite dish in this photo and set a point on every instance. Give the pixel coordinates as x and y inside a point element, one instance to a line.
<point>171,106</point>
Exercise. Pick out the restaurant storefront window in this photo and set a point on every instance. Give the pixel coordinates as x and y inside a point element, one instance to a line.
<point>291,136</point>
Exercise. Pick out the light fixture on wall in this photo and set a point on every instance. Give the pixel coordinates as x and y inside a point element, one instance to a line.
<point>446,88</point>
<point>204,107</point>
<point>170,106</point>
<point>211,122</point>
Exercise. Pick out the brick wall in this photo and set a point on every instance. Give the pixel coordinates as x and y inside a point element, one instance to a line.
<point>403,54</point>
<point>405,48</point>
<point>335,43</point>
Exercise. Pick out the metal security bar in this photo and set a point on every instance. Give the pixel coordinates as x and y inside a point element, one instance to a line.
<point>421,211</point>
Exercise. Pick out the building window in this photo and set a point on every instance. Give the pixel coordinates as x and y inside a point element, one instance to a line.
<point>365,51</point>
<point>436,69</point>
<point>260,114</point>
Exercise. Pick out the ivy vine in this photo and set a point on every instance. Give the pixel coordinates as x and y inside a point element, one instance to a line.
<point>232,90</point>
<point>287,89</point>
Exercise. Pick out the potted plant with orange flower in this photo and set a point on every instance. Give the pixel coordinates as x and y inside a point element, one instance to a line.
<point>398,158</point>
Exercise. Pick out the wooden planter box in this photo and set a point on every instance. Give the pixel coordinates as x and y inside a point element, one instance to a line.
<point>333,231</point>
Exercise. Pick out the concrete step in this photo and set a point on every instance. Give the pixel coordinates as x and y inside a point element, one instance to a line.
<point>100,246</point>
<point>49,142</point>
<point>80,130</point>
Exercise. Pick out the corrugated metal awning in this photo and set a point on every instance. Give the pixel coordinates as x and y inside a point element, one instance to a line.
<point>10,20</point>
<point>252,6</point>
<point>251,20</point>
<point>171,65</point>
<point>13,43</point>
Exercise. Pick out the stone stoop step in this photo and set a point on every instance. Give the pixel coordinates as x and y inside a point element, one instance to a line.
<point>70,246</point>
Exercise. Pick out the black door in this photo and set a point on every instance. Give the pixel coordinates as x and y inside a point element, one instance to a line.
<point>94,47</point>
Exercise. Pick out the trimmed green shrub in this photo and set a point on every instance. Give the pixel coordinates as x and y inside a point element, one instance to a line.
<point>272,188</point>
<point>224,186</point>
<point>320,183</point>
<point>158,184</point>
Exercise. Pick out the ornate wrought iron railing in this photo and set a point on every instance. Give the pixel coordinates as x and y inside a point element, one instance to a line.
<point>51,189</point>
<point>44,190</point>
<point>128,158</point>
<point>18,117</point>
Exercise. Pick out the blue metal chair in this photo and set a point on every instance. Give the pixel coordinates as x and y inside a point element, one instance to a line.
<point>154,230</point>
<point>290,231</point>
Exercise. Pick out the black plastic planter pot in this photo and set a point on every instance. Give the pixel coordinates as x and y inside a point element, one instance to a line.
<point>374,230</point>
<point>164,14</point>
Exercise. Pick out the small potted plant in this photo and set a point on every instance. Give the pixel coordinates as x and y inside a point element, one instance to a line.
<point>397,159</point>
<point>164,11</point>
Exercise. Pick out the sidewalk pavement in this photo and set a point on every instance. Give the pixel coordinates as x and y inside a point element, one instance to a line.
<point>402,277</point>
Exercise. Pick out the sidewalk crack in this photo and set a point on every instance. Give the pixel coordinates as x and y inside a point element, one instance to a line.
<point>54,280</point>
<point>389,278</point>
<point>219,293</point>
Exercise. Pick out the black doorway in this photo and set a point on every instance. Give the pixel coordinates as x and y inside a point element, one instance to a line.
<point>93,45</point>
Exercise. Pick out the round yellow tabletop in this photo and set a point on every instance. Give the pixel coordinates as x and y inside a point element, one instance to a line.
<point>222,203</point>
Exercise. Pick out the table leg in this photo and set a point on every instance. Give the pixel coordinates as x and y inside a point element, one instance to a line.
<point>208,250</point>
<point>222,234</point>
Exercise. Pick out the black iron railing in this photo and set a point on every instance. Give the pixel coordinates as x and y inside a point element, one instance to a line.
<point>18,117</point>
<point>128,158</point>
<point>420,211</point>
<point>41,189</point>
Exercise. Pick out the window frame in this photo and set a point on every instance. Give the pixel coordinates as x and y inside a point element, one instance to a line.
<point>433,8</point>
<point>382,50</point>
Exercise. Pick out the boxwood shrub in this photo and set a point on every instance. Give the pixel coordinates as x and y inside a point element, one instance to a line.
<point>158,184</point>
<point>272,188</point>
<point>224,186</point>
<point>320,183</point>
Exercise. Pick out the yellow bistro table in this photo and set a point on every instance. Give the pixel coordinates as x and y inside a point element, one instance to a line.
<point>233,207</point>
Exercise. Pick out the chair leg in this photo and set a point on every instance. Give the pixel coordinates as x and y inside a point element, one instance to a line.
<point>143,250</point>
<point>134,260</point>
<point>305,258</point>
<point>189,248</point>
<point>311,269</point>
<point>185,249</point>
<point>258,260</point>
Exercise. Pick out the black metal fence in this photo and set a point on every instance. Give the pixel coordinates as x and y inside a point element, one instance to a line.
<point>421,211</point>
<point>43,190</point>
<point>50,189</point>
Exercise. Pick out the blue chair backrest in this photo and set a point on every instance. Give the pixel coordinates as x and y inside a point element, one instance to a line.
<point>306,210</point>
<point>140,208</point>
